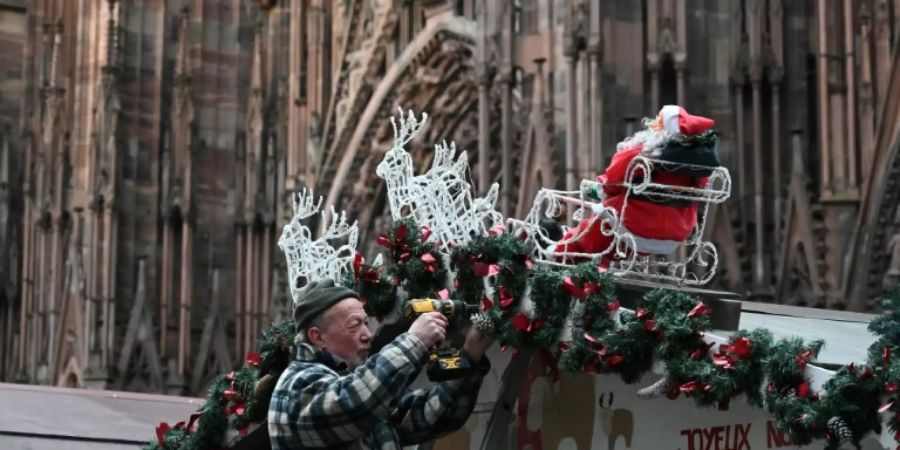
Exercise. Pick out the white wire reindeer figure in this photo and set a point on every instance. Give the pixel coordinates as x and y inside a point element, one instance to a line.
<point>314,259</point>
<point>441,197</point>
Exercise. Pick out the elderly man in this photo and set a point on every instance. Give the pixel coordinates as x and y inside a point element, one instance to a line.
<point>334,395</point>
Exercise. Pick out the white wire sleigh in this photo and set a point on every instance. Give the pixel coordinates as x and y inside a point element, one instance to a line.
<point>630,256</point>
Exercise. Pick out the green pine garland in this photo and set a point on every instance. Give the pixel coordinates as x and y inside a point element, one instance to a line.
<point>502,253</point>
<point>375,287</point>
<point>232,401</point>
<point>667,326</point>
<point>788,395</point>
<point>418,267</point>
<point>595,319</point>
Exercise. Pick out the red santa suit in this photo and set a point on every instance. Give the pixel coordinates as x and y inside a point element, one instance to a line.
<point>658,227</point>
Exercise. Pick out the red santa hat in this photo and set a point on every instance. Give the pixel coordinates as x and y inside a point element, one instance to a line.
<point>676,119</point>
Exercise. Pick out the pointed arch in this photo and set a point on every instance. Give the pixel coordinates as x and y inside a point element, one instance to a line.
<point>864,268</point>
<point>440,60</point>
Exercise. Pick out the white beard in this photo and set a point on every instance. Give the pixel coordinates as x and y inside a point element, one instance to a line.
<point>650,140</point>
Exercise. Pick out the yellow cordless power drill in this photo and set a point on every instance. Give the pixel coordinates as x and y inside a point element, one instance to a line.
<point>444,362</point>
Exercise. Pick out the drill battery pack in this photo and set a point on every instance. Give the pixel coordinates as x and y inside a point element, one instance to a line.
<point>447,364</point>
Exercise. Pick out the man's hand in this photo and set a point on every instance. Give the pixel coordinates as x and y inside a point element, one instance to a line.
<point>430,328</point>
<point>476,344</point>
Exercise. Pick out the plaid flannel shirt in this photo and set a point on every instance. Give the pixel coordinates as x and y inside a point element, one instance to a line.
<point>318,404</point>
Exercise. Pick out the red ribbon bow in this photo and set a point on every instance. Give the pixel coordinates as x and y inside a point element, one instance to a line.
<point>580,292</point>
<point>398,244</point>
<point>253,358</point>
<point>370,275</point>
<point>524,323</point>
<point>739,347</point>
<point>866,373</point>
<point>723,360</point>
<point>803,389</point>
<point>483,269</point>
<point>237,408</point>
<point>802,358</point>
<point>430,262</point>
<point>700,309</point>
<point>192,423</point>
<point>692,386</point>
<point>613,306</point>
<point>506,300</point>
<point>161,431</point>
<point>426,232</point>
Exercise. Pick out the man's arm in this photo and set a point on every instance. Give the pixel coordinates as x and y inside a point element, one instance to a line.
<point>320,410</point>
<point>430,414</point>
<point>426,414</point>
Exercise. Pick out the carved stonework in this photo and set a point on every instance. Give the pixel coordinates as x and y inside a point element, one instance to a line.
<point>667,43</point>
<point>210,118</point>
<point>363,62</point>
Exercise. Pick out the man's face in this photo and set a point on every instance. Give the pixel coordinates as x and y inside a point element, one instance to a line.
<point>344,332</point>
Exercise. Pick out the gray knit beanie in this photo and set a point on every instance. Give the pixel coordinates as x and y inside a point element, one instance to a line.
<point>316,297</point>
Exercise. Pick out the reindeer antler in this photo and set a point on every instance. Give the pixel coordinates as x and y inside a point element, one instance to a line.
<point>305,205</point>
<point>409,128</point>
<point>314,259</point>
<point>339,228</point>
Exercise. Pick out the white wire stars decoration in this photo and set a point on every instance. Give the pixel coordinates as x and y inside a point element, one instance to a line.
<point>441,197</point>
<point>329,256</point>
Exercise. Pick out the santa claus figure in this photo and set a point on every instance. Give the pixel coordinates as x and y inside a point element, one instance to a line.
<point>682,148</point>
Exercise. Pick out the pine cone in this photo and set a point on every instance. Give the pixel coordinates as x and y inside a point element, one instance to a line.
<point>655,390</point>
<point>483,323</point>
<point>839,430</point>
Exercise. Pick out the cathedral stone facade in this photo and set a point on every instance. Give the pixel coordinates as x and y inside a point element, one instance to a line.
<point>149,149</point>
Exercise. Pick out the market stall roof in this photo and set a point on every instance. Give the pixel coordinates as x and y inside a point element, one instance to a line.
<point>845,333</point>
<point>44,417</point>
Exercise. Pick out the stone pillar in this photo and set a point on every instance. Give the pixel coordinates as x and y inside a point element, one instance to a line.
<point>508,82</point>
<point>595,53</point>
<point>822,69</point>
<point>777,218</point>
<point>866,100</point>
<point>850,83</point>
<point>571,54</point>
<point>184,328</point>
<point>249,268</point>
<point>266,277</point>
<point>484,114</point>
<point>742,174</point>
<point>165,286</point>
<point>484,101</point>
<point>760,283</point>
<point>239,292</point>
